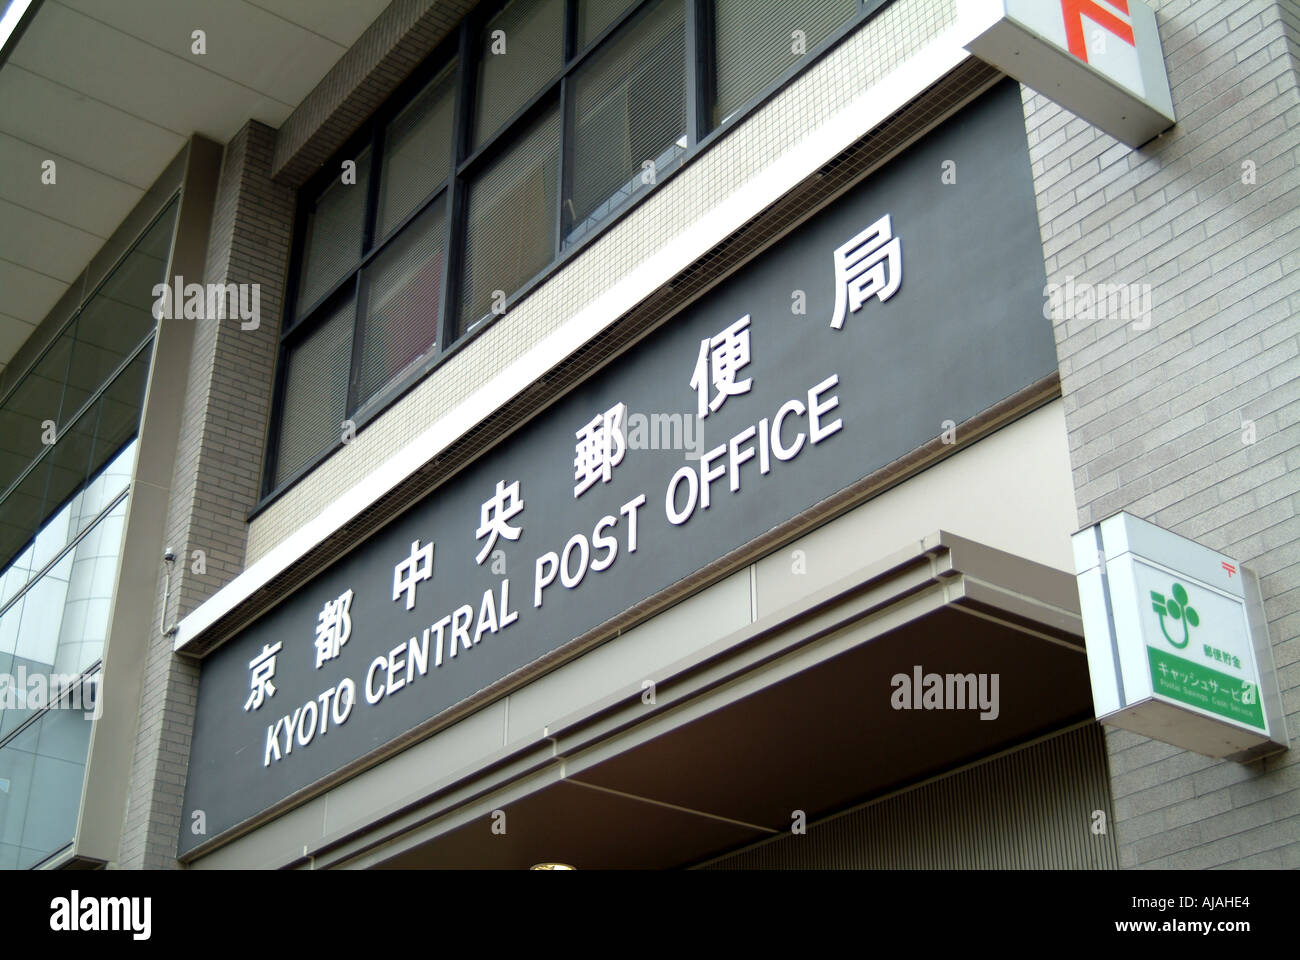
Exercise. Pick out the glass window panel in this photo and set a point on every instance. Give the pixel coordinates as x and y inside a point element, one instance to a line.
<point>54,536</point>
<point>91,582</point>
<point>315,389</point>
<point>38,634</point>
<point>15,578</point>
<point>510,231</point>
<point>403,287</point>
<point>417,150</point>
<point>106,334</point>
<point>157,241</point>
<point>56,787</point>
<point>532,32</point>
<point>752,43</point>
<point>119,315</point>
<point>107,484</point>
<point>18,444</point>
<point>60,623</point>
<point>594,16</point>
<point>41,391</point>
<point>45,768</point>
<point>119,411</point>
<point>332,245</point>
<point>35,401</point>
<point>107,330</point>
<point>20,512</point>
<point>9,621</point>
<point>629,111</point>
<point>17,758</point>
<point>70,458</point>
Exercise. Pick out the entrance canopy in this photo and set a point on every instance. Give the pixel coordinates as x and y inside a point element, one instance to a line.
<point>921,662</point>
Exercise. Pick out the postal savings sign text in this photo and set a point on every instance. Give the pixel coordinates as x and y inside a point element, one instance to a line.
<point>906,303</point>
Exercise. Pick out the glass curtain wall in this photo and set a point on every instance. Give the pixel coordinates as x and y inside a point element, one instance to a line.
<point>67,454</point>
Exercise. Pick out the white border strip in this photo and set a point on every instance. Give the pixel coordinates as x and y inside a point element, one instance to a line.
<point>926,66</point>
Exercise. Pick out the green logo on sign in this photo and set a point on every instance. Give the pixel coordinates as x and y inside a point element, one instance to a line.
<point>1175,608</point>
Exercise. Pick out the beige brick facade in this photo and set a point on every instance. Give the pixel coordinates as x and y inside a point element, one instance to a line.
<point>1193,423</point>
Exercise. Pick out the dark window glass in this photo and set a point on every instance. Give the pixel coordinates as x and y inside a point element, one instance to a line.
<point>119,316</point>
<point>510,232</point>
<point>119,410</point>
<point>111,326</point>
<point>628,107</point>
<point>133,280</point>
<point>16,447</point>
<point>315,388</point>
<point>335,224</point>
<point>532,32</point>
<point>108,329</point>
<point>70,458</point>
<point>403,291</point>
<point>20,512</point>
<point>595,16</point>
<point>754,43</point>
<point>417,151</point>
<point>34,401</point>
<point>81,450</point>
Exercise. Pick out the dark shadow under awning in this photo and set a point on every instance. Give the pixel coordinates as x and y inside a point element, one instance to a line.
<point>796,712</point>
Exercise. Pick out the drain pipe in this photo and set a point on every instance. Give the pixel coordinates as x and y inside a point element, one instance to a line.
<point>169,559</point>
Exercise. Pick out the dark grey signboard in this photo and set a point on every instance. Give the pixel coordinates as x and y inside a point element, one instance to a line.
<point>909,302</point>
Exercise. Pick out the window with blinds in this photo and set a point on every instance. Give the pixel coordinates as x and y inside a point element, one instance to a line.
<point>533,126</point>
<point>510,223</point>
<point>520,50</point>
<point>754,42</point>
<point>335,226</point>
<point>402,292</point>
<point>417,151</point>
<point>315,389</point>
<point>628,115</point>
<point>595,17</point>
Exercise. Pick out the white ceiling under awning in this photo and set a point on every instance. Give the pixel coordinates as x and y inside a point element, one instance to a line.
<point>110,90</point>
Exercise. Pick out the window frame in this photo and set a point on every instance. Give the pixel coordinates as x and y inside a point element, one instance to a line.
<point>463,45</point>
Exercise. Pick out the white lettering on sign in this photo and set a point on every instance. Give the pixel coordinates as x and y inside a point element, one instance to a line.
<point>573,561</point>
<point>690,488</point>
<point>497,513</point>
<point>263,676</point>
<point>333,628</point>
<point>602,443</point>
<point>310,719</point>
<point>868,265</point>
<point>414,569</point>
<point>721,357</point>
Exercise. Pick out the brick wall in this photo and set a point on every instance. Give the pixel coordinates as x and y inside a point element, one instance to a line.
<point>1155,416</point>
<point>216,479</point>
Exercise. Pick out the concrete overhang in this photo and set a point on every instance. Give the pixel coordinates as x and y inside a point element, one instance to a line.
<point>791,713</point>
<point>111,93</point>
